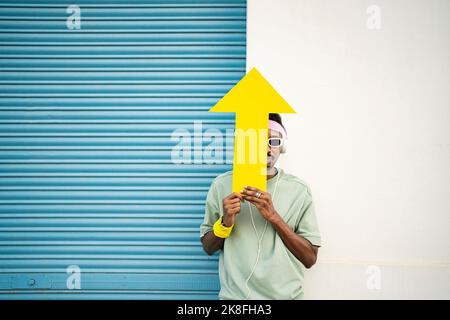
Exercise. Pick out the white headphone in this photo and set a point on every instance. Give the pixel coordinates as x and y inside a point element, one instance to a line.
<point>284,145</point>
<point>283,150</point>
<point>259,238</point>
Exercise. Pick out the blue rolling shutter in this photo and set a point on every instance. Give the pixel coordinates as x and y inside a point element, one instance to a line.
<point>86,118</point>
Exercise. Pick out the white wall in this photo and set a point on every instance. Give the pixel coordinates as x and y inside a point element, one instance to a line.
<point>371,137</point>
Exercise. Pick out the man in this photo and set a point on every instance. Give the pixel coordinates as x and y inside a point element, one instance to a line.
<point>263,240</point>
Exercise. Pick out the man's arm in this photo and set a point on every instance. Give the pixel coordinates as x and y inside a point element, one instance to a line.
<point>211,243</point>
<point>301,248</point>
<point>231,206</point>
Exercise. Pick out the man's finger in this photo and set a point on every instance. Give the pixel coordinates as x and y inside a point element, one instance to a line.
<point>254,194</point>
<point>233,195</point>
<point>249,192</point>
<point>252,199</point>
<point>237,195</point>
<point>252,188</point>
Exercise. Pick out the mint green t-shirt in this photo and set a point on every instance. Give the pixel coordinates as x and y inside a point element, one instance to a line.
<point>278,273</point>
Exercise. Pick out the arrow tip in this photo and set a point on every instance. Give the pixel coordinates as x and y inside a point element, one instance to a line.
<point>253,93</point>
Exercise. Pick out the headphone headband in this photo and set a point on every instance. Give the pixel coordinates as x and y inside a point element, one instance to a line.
<point>273,125</point>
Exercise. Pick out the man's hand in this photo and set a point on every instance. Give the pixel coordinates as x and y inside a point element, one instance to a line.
<point>232,207</point>
<point>263,203</point>
<point>302,249</point>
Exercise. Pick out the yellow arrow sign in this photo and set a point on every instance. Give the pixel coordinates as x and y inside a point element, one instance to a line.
<point>252,99</point>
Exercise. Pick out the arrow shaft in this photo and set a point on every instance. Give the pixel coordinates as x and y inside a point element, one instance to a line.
<point>250,151</point>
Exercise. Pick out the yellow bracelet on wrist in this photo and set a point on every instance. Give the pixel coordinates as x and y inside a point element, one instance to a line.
<point>220,230</point>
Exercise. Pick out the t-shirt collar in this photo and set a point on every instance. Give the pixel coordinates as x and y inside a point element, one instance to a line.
<point>275,177</point>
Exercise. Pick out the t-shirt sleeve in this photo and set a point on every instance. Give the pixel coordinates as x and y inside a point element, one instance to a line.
<point>212,210</point>
<point>307,226</point>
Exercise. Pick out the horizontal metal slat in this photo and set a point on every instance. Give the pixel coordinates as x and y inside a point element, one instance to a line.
<point>176,214</point>
<point>109,243</point>
<point>99,229</point>
<point>122,38</point>
<point>131,257</point>
<point>89,265</point>
<point>125,69</point>
<point>118,156</point>
<point>122,77</point>
<point>171,116</point>
<point>94,157</point>
<point>136,183</point>
<point>178,154</point>
<point>108,103</point>
<point>113,129</point>
<point>19,210</point>
<point>107,250</point>
<point>115,237</point>
<point>100,63</point>
<point>121,13</point>
<point>101,196</point>
<point>110,26</point>
<point>124,281</point>
<point>27,294</point>
<point>127,52</point>
<point>105,224</point>
<point>133,170</point>
<point>105,90</point>
<point>127,4</point>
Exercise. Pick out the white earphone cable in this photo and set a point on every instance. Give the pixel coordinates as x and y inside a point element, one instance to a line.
<point>259,238</point>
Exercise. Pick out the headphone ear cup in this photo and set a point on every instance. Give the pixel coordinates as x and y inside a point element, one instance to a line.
<point>284,146</point>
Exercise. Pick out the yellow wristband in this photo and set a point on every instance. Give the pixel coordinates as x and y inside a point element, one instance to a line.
<point>220,230</point>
